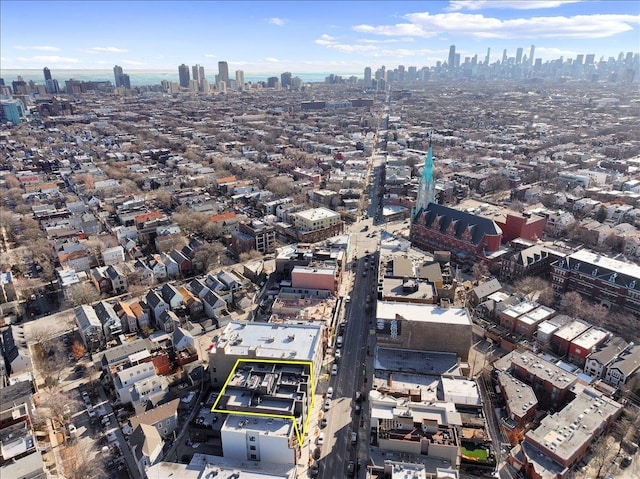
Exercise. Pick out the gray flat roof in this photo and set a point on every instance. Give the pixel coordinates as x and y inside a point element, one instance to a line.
<point>423,363</point>
<point>565,432</point>
<point>427,313</point>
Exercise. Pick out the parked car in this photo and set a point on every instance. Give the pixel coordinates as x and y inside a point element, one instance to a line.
<point>327,404</point>
<point>334,370</point>
<point>351,468</point>
<point>323,422</point>
<point>320,439</point>
<point>330,393</point>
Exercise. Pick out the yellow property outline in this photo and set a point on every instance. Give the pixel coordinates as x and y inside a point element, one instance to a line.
<point>299,436</point>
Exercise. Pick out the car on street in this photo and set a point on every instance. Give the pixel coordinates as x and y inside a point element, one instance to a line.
<point>323,422</point>
<point>351,468</point>
<point>626,462</point>
<point>334,370</point>
<point>320,439</point>
<point>314,470</point>
<point>327,404</point>
<point>354,438</point>
<point>330,393</point>
<point>316,453</point>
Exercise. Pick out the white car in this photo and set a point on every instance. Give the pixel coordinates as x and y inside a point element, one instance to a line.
<point>327,404</point>
<point>334,370</point>
<point>320,439</point>
<point>330,393</point>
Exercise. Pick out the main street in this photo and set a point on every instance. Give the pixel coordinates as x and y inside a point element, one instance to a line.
<point>353,374</point>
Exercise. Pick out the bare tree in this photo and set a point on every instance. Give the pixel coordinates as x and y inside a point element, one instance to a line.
<point>80,461</point>
<point>48,359</point>
<point>82,293</point>
<point>602,456</point>
<point>208,256</point>
<point>535,289</point>
<point>479,270</point>
<point>58,406</point>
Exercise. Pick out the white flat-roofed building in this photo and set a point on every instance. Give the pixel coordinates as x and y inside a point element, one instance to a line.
<point>585,344</point>
<point>253,340</point>
<point>460,391</point>
<point>258,439</point>
<point>561,339</point>
<point>315,219</point>
<point>423,327</point>
<point>528,323</point>
<point>509,316</point>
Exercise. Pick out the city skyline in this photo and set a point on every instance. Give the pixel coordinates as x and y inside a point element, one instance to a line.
<point>309,36</point>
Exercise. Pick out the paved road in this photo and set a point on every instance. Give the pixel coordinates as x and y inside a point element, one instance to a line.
<point>354,372</point>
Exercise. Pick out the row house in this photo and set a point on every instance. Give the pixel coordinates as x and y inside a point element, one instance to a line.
<point>109,279</point>
<point>90,327</point>
<point>625,366</point>
<point>610,282</point>
<point>597,362</point>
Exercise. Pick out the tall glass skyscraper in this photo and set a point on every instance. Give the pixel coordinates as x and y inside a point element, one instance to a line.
<point>183,73</point>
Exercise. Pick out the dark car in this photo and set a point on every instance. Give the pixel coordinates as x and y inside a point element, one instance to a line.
<point>626,462</point>
<point>351,468</point>
<point>316,453</point>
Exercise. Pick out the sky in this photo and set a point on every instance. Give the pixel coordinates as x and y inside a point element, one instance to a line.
<point>305,36</point>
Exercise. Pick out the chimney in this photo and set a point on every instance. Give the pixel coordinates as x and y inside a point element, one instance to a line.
<point>390,381</point>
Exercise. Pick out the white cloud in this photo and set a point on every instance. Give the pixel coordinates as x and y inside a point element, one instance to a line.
<point>399,29</point>
<point>277,21</point>
<point>39,48</point>
<point>105,50</point>
<point>272,60</point>
<point>325,40</point>
<point>48,59</point>
<point>210,55</point>
<point>371,48</point>
<point>457,5</point>
<point>425,25</point>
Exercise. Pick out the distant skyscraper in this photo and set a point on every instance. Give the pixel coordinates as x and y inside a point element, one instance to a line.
<point>195,73</point>
<point>401,73</point>
<point>589,59</point>
<point>223,72</point>
<point>183,72</point>
<point>125,81</point>
<point>412,73</point>
<point>532,52</point>
<point>519,56</point>
<point>457,60</point>
<point>367,76</point>
<point>47,73</point>
<point>285,79</point>
<point>504,56</point>
<point>487,59</point>
<point>451,62</point>
<point>117,74</point>
<point>240,79</point>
